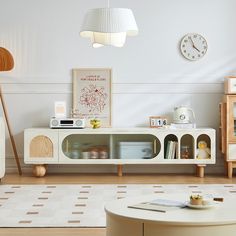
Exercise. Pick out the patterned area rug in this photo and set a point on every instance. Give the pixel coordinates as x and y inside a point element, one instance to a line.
<point>80,205</point>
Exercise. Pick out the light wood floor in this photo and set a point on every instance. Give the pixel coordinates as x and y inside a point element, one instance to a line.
<point>99,179</point>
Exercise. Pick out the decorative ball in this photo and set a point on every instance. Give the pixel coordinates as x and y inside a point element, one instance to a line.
<point>39,170</point>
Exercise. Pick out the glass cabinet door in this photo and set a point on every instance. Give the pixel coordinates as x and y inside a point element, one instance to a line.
<point>135,146</point>
<point>232,117</point>
<point>110,146</point>
<point>86,146</point>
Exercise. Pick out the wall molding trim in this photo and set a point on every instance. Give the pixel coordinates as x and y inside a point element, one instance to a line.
<point>117,88</point>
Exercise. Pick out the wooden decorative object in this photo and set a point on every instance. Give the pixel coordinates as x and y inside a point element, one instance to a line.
<point>41,146</point>
<point>7,64</point>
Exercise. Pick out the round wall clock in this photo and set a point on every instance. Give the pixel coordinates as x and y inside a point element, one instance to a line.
<point>193,46</point>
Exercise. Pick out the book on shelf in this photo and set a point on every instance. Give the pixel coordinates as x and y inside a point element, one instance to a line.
<point>171,150</point>
<point>176,151</point>
<point>159,205</point>
<point>168,150</point>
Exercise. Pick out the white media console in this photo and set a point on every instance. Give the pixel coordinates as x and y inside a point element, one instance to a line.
<point>105,146</point>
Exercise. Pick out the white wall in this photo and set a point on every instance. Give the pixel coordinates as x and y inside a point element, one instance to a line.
<point>150,76</point>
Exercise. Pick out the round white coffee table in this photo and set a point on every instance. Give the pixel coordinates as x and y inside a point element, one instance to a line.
<point>123,221</point>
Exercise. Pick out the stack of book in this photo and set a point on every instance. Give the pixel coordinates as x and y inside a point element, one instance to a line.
<point>171,150</point>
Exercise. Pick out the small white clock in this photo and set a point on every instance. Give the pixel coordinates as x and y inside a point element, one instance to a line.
<point>193,46</point>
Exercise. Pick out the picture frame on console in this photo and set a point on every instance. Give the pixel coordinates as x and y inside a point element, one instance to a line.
<point>92,95</point>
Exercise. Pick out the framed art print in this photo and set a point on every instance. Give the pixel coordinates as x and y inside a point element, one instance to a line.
<point>92,94</point>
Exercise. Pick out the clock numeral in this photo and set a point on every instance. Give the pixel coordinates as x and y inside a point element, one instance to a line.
<point>199,55</point>
<point>195,36</point>
<point>193,57</point>
<point>183,45</point>
<point>205,47</point>
<point>185,51</point>
<point>185,40</point>
<point>203,52</point>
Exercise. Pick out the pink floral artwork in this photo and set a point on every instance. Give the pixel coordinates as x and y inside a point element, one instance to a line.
<point>93,98</point>
<point>92,94</point>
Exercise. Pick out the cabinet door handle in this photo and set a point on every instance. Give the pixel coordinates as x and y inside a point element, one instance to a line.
<point>154,147</point>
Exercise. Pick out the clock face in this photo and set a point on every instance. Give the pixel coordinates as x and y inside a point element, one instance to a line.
<point>193,46</point>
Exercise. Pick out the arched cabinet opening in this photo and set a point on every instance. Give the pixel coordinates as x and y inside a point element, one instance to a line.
<point>203,147</point>
<point>187,147</point>
<point>171,147</point>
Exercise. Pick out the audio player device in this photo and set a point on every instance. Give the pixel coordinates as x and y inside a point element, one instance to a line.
<point>67,123</point>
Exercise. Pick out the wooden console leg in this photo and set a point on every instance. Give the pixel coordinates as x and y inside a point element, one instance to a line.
<point>226,167</point>
<point>39,170</point>
<point>230,169</point>
<point>119,170</point>
<point>200,170</point>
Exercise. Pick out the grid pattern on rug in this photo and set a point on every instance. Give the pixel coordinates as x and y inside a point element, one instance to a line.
<point>81,205</point>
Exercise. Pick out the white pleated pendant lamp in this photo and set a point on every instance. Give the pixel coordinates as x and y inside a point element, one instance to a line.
<point>109,26</point>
